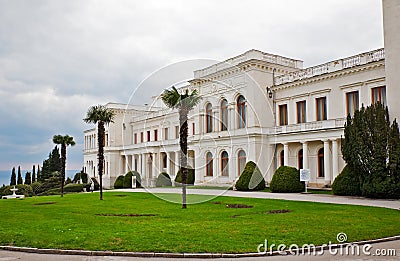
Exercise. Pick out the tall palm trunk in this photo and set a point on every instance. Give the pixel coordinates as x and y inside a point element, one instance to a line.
<point>183,134</point>
<point>100,139</point>
<point>63,162</point>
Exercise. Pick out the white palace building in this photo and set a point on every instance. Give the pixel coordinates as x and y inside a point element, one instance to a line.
<point>255,107</point>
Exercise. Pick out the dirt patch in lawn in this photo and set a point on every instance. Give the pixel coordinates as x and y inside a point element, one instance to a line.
<point>44,203</point>
<point>278,211</point>
<point>238,206</point>
<point>127,215</point>
<point>121,196</point>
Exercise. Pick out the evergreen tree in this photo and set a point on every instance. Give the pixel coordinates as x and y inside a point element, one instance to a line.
<point>28,180</point>
<point>371,149</point>
<point>33,174</point>
<point>38,175</point>
<point>51,165</point>
<point>19,180</point>
<point>13,177</point>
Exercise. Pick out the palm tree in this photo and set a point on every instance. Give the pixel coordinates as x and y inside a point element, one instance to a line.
<point>184,102</point>
<point>101,115</point>
<point>64,141</point>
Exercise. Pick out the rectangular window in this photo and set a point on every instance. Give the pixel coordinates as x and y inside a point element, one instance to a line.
<point>352,101</point>
<point>379,95</point>
<point>321,109</point>
<point>148,135</point>
<point>176,132</point>
<point>301,111</point>
<point>135,138</point>
<point>141,137</point>
<point>283,115</point>
<point>193,129</point>
<point>155,135</point>
<point>166,134</point>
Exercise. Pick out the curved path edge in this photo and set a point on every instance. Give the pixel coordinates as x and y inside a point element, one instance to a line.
<point>186,255</point>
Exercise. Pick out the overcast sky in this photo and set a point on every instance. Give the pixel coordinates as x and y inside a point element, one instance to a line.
<point>58,57</point>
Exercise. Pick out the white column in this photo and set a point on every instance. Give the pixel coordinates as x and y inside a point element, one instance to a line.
<point>286,154</point>
<point>334,159</point>
<point>140,164</point>
<point>305,155</point>
<point>216,165</point>
<point>327,161</point>
<point>232,165</point>
<point>232,116</point>
<point>168,155</point>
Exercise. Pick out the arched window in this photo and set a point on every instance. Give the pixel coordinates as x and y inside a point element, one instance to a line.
<point>282,157</point>
<point>164,160</point>
<point>224,115</point>
<point>241,161</point>
<point>224,164</point>
<point>300,159</point>
<point>209,118</point>
<point>209,164</point>
<point>241,108</point>
<point>321,172</point>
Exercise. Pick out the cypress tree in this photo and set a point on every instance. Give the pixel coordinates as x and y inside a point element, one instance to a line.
<point>33,174</point>
<point>19,180</point>
<point>13,177</point>
<point>28,180</point>
<point>38,175</point>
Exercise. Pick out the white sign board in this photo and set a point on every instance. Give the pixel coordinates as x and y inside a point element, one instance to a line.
<point>305,174</point>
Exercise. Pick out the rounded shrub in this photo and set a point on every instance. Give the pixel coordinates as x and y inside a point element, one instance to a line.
<point>190,178</point>
<point>119,182</point>
<point>251,178</point>
<point>286,180</point>
<point>74,187</point>
<point>128,179</point>
<point>346,183</point>
<point>163,180</point>
<point>37,188</point>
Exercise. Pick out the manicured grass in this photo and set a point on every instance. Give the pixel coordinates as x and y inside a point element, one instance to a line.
<point>71,223</point>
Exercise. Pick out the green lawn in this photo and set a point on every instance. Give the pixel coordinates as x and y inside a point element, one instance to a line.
<point>73,222</point>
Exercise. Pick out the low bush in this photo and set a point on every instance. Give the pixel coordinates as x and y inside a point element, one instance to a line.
<point>37,188</point>
<point>251,178</point>
<point>286,180</point>
<point>346,183</point>
<point>81,176</point>
<point>381,186</point>
<point>190,178</point>
<point>25,190</point>
<point>119,182</point>
<point>163,180</point>
<point>74,187</point>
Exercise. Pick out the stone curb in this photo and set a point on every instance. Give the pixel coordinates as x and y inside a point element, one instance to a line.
<point>183,255</point>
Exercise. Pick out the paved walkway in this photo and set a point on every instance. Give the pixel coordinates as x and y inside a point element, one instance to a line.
<point>323,198</point>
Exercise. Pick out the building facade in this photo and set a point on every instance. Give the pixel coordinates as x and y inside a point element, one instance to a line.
<point>255,107</point>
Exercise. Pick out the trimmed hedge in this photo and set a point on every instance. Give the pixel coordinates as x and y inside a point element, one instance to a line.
<point>286,180</point>
<point>381,186</point>
<point>163,180</point>
<point>128,179</point>
<point>346,184</point>
<point>251,178</point>
<point>119,182</point>
<point>74,187</point>
<point>190,178</point>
